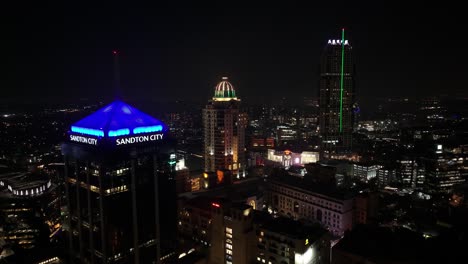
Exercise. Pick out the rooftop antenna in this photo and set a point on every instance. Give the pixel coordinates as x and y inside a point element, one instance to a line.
<point>117,88</point>
<point>342,77</point>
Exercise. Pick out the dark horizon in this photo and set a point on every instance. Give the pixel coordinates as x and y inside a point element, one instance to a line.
<point>269,52</point>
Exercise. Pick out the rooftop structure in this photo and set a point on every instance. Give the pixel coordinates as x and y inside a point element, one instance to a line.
<point>117,119</point>
<point>25,183</point>
<point>337,42</point>
<point>224,91</point>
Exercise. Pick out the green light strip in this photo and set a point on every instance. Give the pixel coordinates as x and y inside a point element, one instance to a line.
<point>342,80</point>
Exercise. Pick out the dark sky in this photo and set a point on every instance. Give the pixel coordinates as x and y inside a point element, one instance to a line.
<point>268,50</point>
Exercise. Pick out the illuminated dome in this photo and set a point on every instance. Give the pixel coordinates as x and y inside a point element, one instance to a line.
<point>224,91</point>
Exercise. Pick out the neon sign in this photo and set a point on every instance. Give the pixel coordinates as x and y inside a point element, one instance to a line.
<point>81,139</point>
<point>138,139</point>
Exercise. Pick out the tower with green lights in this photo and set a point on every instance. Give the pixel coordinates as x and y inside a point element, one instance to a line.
<point>336,98</point>
<point>224,125</point>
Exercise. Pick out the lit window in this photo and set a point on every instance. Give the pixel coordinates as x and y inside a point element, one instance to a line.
<point>229,252</point>
<point>229,246</point>
<point>228,230</point>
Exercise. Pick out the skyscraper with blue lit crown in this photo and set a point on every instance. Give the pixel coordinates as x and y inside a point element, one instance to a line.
<point>119,167</point>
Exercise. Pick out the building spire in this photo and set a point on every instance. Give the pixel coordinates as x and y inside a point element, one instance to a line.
<point>118,93</point>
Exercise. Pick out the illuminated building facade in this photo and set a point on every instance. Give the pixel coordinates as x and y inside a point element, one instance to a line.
<point>336,97</point>
<point>385,176</point>
<point>237,233</point>
<point>224,127</point>
<point>182,177</point>
<point>257,142</point>
<point>293,197</point>
<point>365,171</point>
<point>120,186</point>
<point>232,235</point>
<point>287,158</point>
<point>443,171</point>
<point>28,201</point>
<point>406,172</point>
<point>285,134</point>
<point>283,240</point>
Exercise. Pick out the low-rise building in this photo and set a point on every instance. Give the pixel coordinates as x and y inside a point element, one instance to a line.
<point>287,157</point>
<point>298,199</point>
<point>364,171</point>
<point>283,240</point>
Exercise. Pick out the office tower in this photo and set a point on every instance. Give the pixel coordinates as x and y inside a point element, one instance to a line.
<point>443,172</point>
<point>224,127</point>
<point>364,171</point>
<point>232,235</point>
<point>406,171</point>
<point>336,99</point>
<point>119,167</point>
<point>385,176</point>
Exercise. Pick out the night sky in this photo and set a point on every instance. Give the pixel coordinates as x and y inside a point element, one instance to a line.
<point>269,51</point>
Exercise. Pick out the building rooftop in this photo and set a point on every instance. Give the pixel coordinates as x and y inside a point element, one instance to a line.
<point>117,119</point>
<point>23,180</point>
<point>399,245</point>
<point>337,42</point>
<point>289,227</point>
<point>311,187</point>
<point>224,91</point>
<point>204,202</point>
<point>24,184</point>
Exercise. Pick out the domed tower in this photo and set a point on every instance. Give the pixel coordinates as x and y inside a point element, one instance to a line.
<point>224,91</point>
<point>224,137</point>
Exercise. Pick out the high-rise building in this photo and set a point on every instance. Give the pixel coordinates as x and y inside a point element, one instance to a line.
<point>406,171</point>
<point>364,171</point>
<point>443,172</point>
<point>119,173</point>
<point>232,235</point>
<point>224,127</point>
<point>385,176</point>
<point>336,99</point>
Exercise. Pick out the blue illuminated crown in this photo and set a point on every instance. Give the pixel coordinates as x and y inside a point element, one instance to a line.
<point>117,119</point>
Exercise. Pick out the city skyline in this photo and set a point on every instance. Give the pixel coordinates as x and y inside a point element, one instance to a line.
<point>225,133</point>
<point>169,52</point>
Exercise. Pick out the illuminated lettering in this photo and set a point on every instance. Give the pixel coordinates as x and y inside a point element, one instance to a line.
<point>87,140</point>
<point>138,139</point>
